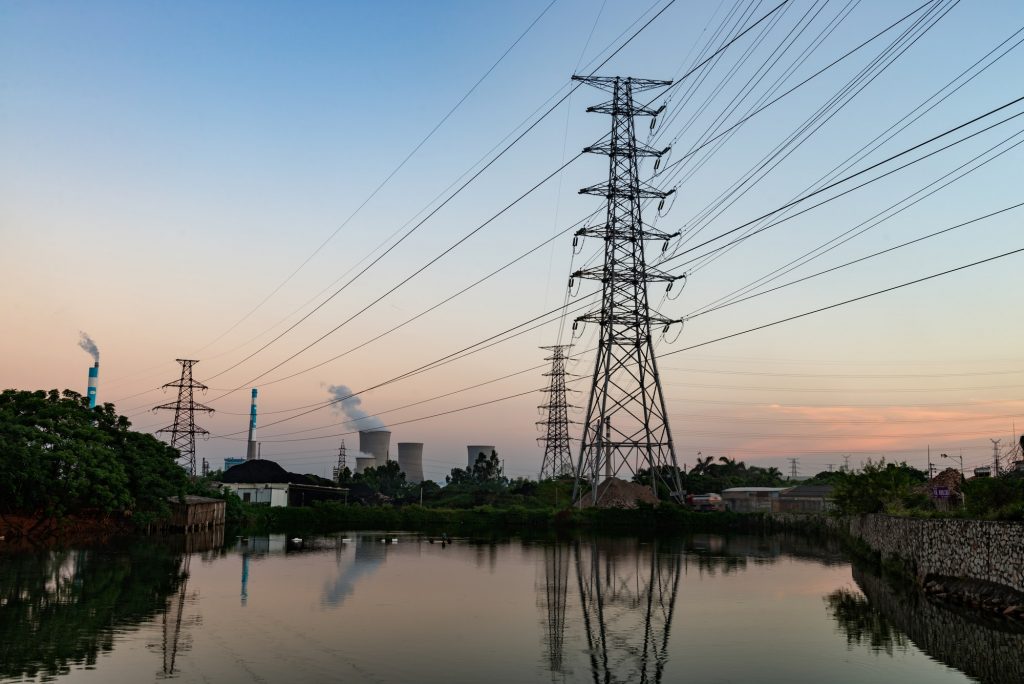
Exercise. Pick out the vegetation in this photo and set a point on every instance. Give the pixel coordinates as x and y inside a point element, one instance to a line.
<point>331,516</point>
<point>58,458</point>
<point>899,489</point>
<point>711,475</point>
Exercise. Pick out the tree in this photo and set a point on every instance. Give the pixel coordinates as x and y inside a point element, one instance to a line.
<point>58,456</point>
<point>387,480</point>
<point>878,486</point>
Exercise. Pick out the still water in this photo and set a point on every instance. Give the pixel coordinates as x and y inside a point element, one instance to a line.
<point>386,607</point>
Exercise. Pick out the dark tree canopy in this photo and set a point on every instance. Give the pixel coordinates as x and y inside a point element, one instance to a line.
<point>59,457</point>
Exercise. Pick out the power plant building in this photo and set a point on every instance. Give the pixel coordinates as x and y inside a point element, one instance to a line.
<point>364,462</point>
<point>475,450</point>
<point>375,443</point>
<point>410,461</point>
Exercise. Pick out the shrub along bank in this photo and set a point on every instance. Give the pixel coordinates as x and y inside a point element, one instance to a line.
<point>332,516</point>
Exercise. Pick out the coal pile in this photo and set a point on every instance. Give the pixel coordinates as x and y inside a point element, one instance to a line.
<point>262,471</point>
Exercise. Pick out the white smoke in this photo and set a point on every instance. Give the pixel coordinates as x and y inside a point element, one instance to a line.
<point>86,343</point>
<point>350,406</point>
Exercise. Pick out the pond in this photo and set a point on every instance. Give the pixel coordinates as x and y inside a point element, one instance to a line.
<point>403,607</point>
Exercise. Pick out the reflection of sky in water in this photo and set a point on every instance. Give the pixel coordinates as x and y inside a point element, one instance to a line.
<point>712,609</point>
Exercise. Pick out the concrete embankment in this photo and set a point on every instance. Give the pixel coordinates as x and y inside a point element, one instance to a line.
<point>978,562</point>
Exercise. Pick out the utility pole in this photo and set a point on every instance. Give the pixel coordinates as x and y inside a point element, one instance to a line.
<point>931,468</point>
<point>794,467</point>
<point>846,463</point>
<point>184,429</point>
<point>830,465</point>
<point>625,384</point>
<point>557,452</point>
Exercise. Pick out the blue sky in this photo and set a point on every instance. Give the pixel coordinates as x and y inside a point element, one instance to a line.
<point>167,165</point>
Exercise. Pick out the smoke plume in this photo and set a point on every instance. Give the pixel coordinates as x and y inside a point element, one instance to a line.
<point>88,345</point>
<point>350,406</point>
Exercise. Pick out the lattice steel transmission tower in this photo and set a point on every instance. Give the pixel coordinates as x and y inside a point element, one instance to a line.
<point>557,452</point>
<point>342,458</point>
<point>184,429</point>
<point>626,398</point>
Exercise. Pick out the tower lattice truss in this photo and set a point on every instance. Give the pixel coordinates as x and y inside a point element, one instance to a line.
<point>626,428</point>
<point>184,429</point>
<point>557,451</point>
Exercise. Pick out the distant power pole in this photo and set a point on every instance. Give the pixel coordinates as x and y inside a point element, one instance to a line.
<point>626,399</point>
<point>184,429</point>
<point>557,452</point>
<point>846,463</point>
<point>995,456</point>
<point>794,467</point>
<point>341,462</point>
<point>206,467</point>
<point>830,465</point>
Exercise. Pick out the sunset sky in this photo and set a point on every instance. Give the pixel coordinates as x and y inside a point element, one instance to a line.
<point>166,167</point>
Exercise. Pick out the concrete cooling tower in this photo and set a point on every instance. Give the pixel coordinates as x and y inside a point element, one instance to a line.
<point>375,443</point>
<point>362,463</point>
<point>410,460</point>
<point>475,450</point>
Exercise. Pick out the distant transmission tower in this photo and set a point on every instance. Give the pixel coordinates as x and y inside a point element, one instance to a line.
<point>794,467</point>
<point>184,430</point>
<point>341,462</point>
<point>995,456</point>
<point>626,398</point>
<point>557,453</point>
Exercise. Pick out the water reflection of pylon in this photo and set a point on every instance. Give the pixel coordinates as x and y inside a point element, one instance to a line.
<point>627,595</point>
<point>172,618</point>
<point>556,582</point>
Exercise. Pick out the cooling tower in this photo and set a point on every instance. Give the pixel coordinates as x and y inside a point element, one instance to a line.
<point>94,374</point>
<point>362,463</point>
<point>375,443</point>
<point>410,461</point>
<point>475,450</point>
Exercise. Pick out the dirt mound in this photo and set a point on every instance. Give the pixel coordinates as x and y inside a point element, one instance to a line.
<point>616,493</point>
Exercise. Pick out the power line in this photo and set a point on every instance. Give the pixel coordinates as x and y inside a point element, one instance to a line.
<point>414,228</point>
<point>845,302</point>
<point>391,175</point>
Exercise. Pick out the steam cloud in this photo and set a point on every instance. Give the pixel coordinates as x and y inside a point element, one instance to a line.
<point>88,345</point>
<point>350,406</point>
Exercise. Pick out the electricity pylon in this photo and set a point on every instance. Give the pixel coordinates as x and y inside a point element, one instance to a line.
<point>626,398</point>
<point>342,458</point>
<point>184,429</point>
<point>557,453</point>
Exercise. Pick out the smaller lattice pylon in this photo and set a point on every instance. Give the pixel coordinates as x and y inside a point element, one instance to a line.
<point>342,458</point>
<point>556,440</point>
<point>184,429</point>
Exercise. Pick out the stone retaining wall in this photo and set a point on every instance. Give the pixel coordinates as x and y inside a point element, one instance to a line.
<point>975,549</point>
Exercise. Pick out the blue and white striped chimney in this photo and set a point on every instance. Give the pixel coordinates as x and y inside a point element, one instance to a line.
<point>94,376</point>
<point>250,453</point>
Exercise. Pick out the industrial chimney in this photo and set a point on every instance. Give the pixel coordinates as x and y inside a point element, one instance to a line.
<point>250,454</point>
<point>410,461</point>
<point>475,450</point>
<point>94,376</point>
<point>375,443</point>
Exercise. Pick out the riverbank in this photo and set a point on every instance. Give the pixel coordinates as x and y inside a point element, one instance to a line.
<point>974,563</point>
<point>329,517</point>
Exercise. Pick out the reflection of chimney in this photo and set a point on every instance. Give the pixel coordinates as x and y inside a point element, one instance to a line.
<point>94,374</point>
<point>250,453</point>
